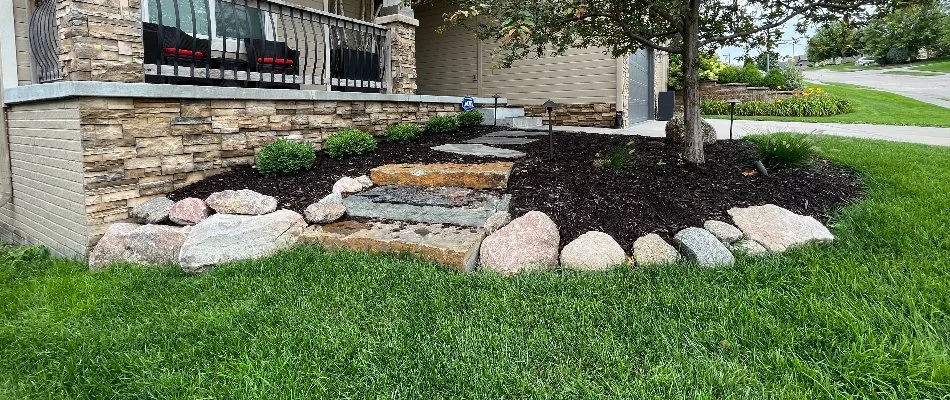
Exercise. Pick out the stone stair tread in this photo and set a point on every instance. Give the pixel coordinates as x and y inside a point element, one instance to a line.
<point>500,140</point>
<point>453,246</point>
<point>516,134</point>
<point>446,205</point>
<point>475,176</point>
<point>481,150</point>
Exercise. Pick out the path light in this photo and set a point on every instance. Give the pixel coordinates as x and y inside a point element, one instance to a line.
<point>495,118</point>
<point>550,106</point>
<point>732,113</point>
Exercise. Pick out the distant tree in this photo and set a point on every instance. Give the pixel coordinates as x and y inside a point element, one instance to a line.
<point>766,60</point>
<point>902,33</point>
<point>836,39</point>
<point>683,27</point>
<point>709,67</point>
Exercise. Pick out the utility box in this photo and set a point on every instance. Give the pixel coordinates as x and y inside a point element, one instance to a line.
<point>665,106</point>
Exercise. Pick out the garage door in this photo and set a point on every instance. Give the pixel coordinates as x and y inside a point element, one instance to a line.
<point>640,107</point>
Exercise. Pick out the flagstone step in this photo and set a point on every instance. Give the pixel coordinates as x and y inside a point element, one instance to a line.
<point>516,134</point>
<point>452,246</point>
<point>473,176</point>
<point>441,205</point>
<point>471,149</point>
<point>500,140</point>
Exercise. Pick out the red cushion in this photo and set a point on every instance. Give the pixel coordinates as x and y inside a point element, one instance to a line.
<point>183,52</point>
<point>278,61</point>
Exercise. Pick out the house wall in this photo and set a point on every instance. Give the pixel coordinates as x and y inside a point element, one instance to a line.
<point>21,18</point>
<point>447,63</point>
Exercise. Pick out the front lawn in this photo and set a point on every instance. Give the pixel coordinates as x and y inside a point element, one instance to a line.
<point>872,107</point>
<point>866,316</point>
<point>943,66</point>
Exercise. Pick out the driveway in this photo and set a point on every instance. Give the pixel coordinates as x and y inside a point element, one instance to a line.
<point>929,89</point>
<point>910,134</point>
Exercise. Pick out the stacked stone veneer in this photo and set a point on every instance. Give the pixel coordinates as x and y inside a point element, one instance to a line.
<point>120,152</point>
<point>101,40</point>
<point>402,52</point>
<point>600,115</point>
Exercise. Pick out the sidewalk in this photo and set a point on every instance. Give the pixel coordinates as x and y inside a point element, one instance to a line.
<point>911,134</point>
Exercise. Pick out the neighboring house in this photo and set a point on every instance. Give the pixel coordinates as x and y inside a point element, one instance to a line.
<point>108,104</point>
<point>590,84</point>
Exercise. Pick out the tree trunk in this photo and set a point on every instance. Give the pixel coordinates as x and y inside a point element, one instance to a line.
<point>694,151</point>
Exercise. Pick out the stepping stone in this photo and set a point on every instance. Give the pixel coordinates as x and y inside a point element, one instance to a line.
<point>440,205</point>
<point>471,149</point>
<point>515,134</point>
<point>778,229</point>
<point>452,246</point>
<point>500,140</point>
<point>474,176</point>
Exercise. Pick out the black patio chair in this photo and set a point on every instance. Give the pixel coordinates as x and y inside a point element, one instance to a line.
<point>267,56</point>
<point>168,45</point>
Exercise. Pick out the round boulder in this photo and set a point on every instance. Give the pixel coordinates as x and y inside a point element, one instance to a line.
<point>242,202</point>
<point>651,249</point>
<point>347,185</point>
<point>189,211</point>
<point>593,251</point>
<point>154,211</point>
<point>676,130</point>
<point>324,213</point>
<point>527,243</point>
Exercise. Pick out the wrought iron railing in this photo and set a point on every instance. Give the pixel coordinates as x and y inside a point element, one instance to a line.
<point>44,43</point>
<point>256,43</point>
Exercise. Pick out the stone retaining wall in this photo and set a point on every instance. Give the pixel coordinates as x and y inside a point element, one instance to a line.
<point>129,150</point>
<point>599,115</point>
<point>712,90</point>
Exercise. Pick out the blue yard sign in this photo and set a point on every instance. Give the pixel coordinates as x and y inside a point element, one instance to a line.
<point>468,103</point>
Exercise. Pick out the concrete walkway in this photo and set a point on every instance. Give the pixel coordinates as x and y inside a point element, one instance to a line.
<point>911,134</point>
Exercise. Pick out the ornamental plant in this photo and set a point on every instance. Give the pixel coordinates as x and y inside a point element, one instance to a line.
<point>784,149</point>
<point>470,118</point>
<point>285,157</point>
<point>811,102</point>
<point>442,124</point>
<point>349,142</point>
<point>403,132</point>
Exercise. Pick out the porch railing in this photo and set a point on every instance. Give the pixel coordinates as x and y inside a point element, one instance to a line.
<point>261,44</point>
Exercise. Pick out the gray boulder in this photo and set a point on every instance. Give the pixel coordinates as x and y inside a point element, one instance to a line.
<point>154,211</point>
<point>323,213</point>
<point>676,130</point>
<point>593,251</point>
<point>527,243</point>
<point>189,211</point>
<point>332,198</point>
<point>496,221</point>
<point>699,245</point>
<point>226,237</point>
<point>111,247</point>
<point>651,249</point>
<point>748,247</point>
<point>724,232</point>
<point>778,229</point>
<point>244,202</point>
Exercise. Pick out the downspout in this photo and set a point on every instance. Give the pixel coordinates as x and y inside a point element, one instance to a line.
<point>6,173</point>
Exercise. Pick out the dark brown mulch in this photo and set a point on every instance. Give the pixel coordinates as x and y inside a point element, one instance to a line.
<point>658,193</point>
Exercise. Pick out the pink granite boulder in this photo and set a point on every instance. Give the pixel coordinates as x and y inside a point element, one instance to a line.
<point>111,247</point>
<point>528,243</point>
<point>189,211</point>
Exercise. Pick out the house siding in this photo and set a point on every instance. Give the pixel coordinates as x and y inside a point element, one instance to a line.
<point>446,63</point>
<point>21,23</point>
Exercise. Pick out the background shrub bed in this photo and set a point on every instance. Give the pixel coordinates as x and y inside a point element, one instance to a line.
<point>809,103</point>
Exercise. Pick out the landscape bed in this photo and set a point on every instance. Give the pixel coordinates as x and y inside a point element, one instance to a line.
<point>655,192</point>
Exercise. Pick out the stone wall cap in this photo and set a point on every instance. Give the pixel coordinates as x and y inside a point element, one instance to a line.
<point>79,89</point>
<point>397,18</point>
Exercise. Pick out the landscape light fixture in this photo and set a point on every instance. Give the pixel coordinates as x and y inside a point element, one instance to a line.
<point>732,113</point>
<point>550,106</point>
<point>495,117</point>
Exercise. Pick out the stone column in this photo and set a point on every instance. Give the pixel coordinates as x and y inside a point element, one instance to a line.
<point>402,25</point>
<point>101,40</point>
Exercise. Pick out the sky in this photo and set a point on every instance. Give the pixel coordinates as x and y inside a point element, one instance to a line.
<point>783,49</point>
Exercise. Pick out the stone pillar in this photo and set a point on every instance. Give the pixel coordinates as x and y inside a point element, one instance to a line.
<point>402,25</point>
<point>101,40</point>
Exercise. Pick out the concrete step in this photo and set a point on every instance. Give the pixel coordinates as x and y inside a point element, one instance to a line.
<point>473,176</point>
<point>503,112</point>
<point>439,205</point>
<point>452,246</point>
<point>522,122</point>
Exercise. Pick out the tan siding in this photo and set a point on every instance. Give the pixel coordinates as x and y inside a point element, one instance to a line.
<point>46,159</point>
<point>446,63</point>
<point>21,19</point>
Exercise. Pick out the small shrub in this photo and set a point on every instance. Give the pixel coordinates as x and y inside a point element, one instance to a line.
<point>616,159</point>
<point>794,80</point>
<point>349,142</point>
<point>285,157</point>
<point>403,132</point>
<point>773,79</point>
<point>442,124</point>
<point>750,75</point>
<point>728,74</point>
<point>784,149</point>
<point>470,118</point>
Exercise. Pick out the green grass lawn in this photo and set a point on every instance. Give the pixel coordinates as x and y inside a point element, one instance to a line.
<point>911,73</point>
<point>943,66</point>
<point>873,107</point>
<point>866,316</point>
<point>850,67</point>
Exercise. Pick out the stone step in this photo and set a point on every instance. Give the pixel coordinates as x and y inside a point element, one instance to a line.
<point>516,134</point>
<point>473,176</point>
<point>503,112</point>
<point>481,150</point>
<point>440,205</point>
<point>500,140</point>
<point>452,246</point>
<point>522,122</point>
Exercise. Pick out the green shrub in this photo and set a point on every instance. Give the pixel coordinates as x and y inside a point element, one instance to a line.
<point>812,102</point>
<point>284,157</point>
<point>773,79</point>
<point>470,118</point>
<point>750,75</point>
<point>784,149</point>
<point>403,132</point>
<point>794,80</point>
<point>616,159</point>
<point>729,74</point>
<point>442,124</point>
<point>349,142</point>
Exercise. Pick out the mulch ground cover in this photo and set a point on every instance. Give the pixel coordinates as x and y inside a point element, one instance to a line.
<point>656,192</point>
